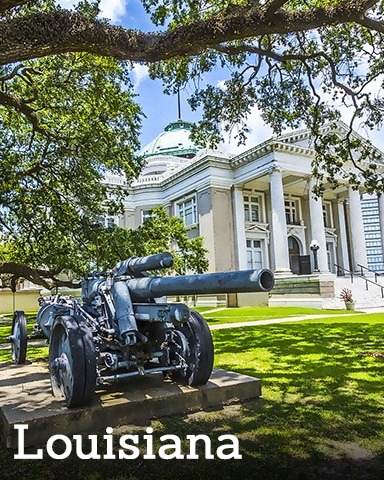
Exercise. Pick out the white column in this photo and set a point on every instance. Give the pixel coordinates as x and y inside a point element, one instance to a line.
<point>343,241</point>
<point>279,224</point>
<point>239,224</point>
<point>317,228</point>
<point>357,230</point>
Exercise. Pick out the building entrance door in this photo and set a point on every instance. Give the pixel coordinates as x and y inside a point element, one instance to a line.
<point>331,257</point>
<point>254,255</point>
<point>294,253</point>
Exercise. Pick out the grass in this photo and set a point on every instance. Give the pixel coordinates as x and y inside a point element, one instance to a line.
<point>322,388</point>
<point>6,330</point>
<point>321,415</point>
<point>248,314</point>
<point>215,316</point>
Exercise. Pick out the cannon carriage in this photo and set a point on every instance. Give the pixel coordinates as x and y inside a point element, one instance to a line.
<point>123,326</point>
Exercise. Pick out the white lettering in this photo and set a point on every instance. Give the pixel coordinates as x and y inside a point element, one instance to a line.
<point>234,447</point>
<point>59,447</point>
<point>68,447</point>
<point>93,454</point>
<point>109,438</point>
<point>175,447</point>
<point>149,455</point>
<point>123,443</point>
<point>193,439</point>
<point>20,455</point>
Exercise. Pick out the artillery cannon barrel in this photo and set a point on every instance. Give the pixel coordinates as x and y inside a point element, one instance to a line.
<point>137,265</point>
<point>211,283</point>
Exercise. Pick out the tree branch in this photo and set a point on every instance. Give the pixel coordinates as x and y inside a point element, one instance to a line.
<point>43,278</point>
<point>372,24</point>
<point>49,33</point>
<point>22,271</point>
<point>274,6</point>
<point>17,103</point>
<point>8,4</point>
<point>13,74</point>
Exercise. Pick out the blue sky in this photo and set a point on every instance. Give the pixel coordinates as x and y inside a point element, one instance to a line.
<point>160,109</point>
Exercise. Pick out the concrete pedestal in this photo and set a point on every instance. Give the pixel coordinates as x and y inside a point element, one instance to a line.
<point>25,398</point>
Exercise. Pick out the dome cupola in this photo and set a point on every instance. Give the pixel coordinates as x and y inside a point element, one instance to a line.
<point>174,140</point>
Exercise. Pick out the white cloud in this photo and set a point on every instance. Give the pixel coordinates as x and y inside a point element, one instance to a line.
<point>111,9</point>
<point>140,72</point>
<point>68,4</point>
<point>258,133</point>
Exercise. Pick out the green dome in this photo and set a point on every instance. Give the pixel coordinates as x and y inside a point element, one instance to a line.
<point>173,141</point>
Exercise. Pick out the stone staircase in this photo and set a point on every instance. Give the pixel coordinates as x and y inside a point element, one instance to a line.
<point>323,292</point>
<point>364,299</point>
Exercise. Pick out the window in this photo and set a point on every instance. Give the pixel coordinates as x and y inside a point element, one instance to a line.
<point>291,212</point>
<point>110,222</point>
<point>378,267</point>
<point>368,213</point>
<point>254,255</point>
<point>370,220</point>
<point>187,210</point>
<point>374,251</point>
<point>327,215</point>
<point>106,222</point>
<point>373,244</point>
<point>145,214</point>
<point>369,204</point>
<point>251,208</point>
<point>370,228</point>
<point>376,259</point>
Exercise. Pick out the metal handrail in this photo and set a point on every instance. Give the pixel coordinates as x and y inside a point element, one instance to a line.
<point>377,274</point>
<point>354,274</point>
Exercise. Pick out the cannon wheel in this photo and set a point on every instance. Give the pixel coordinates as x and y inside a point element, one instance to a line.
<point>19,337</point>
<point>72,360</point>
<point>199,355</point>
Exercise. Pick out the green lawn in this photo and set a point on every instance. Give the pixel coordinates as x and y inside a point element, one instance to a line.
<point>214,316</point>
<point>321,415</point>
<point>6,330</point>
<point>249,314</point>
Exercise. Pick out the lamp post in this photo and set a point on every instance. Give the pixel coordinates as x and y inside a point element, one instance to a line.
<point>314,246</point>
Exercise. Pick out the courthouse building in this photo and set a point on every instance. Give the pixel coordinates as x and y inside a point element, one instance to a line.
<point>254,210</point>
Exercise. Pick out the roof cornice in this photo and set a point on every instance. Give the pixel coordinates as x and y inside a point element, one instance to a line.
<point>267,147</point>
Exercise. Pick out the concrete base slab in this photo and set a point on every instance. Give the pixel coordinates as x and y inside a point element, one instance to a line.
<point>25,398</point>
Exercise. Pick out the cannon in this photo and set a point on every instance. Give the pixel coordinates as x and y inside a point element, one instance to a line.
<point>123,326</point>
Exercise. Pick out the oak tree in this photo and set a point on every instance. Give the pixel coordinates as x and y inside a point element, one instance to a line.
<point>158,233</point>
<point>302,63</point>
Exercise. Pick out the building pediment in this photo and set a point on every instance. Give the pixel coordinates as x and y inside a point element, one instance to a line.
<point>257,227</point>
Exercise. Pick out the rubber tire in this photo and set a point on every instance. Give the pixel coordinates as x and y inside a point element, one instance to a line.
<point>71,336</point>
<point>201,355</point>
<point>20,340</point>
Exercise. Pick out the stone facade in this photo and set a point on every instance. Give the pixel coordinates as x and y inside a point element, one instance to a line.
<point>256,209</point>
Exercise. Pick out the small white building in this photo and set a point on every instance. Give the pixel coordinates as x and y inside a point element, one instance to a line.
<point>254,210</point>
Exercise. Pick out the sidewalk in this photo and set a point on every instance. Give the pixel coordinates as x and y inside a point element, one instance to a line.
<point>277,320</point>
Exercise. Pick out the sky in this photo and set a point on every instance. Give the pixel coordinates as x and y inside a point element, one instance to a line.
<point>161,109</point>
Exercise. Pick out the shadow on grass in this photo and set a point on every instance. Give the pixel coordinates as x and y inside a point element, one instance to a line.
<point>322,389</point>
<point>321,416</point>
